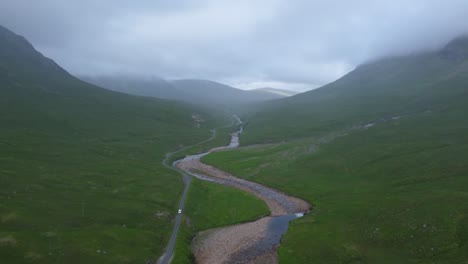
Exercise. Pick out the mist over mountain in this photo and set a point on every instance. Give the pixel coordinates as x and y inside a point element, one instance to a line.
<point>154,87</point>
<point>457,49</point>
<point>202,92</point>
<point>279,92</point>
<point>63,140</point>
<point>300,45</point>
<point>18,56</point>
<point>393,86</point>
<point>369,168</point>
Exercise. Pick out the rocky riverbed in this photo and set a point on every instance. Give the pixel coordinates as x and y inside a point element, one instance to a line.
<point>253,242</point>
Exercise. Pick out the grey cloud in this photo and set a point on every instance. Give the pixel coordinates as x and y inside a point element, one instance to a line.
<point>295,44</point>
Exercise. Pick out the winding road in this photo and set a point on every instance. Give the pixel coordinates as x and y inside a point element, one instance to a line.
<point>168,254</point>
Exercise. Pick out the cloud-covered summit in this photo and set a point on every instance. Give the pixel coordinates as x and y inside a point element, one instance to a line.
<point>285,44</point>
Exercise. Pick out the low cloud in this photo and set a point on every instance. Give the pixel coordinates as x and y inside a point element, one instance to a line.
<point>284,44</point>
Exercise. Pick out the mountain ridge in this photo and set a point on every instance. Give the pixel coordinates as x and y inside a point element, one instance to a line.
<point>390,86</point>
<point>17,52</point>
<point>281,92</point>
<point>198,91</point>
<point>80,162</point>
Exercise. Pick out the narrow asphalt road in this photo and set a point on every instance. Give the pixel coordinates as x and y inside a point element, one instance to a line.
<point>168,254</point>
<point>167,257</point>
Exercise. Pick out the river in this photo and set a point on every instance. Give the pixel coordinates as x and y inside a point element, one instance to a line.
<point>254,242</point>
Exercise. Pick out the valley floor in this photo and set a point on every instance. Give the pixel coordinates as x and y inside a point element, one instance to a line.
<point>249,242</point>
<point>393,193</point>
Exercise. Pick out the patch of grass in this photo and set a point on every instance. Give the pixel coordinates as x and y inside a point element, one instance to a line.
<point>211,205</point>
<point>81,170</point>
<point>221,137</point>
<point>380,89</point>
<point>395,193</point>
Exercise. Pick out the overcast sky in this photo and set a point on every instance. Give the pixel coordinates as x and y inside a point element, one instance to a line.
<point>293,44</point>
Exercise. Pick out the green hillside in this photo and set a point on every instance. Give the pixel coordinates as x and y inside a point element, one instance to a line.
<point>81,179</point>
<point>198,92</point>
<point>394,191</point>
<point>153,87</point>
<point>214,93</point>
<point>382,89</point>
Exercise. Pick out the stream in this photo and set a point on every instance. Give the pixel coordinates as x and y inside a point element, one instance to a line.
<point>254,242</point>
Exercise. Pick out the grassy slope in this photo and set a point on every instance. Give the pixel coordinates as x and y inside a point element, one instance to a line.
<point>81,175</point>
<point>381,89</point>
<point>91,175</point>
<point>211,205</point>
<point>390,194</point>
<point>395,193</point>
<point>81,179</point>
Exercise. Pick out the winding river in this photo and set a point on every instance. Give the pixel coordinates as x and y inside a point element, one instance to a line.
<point>253,242</point>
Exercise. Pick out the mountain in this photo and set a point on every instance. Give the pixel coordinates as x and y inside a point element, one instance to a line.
<point>17,56</point>
<point>431,81</point>
<point>381,154</point>
<point>81,163</point>
<point>202,92</point>
<point>457,49</point>
<point>280,93</point>
<point>153,87</point>
<point>216,93</point>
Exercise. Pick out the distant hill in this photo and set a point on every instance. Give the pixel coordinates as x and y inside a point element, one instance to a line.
<point>81,163</point>
<point>213,92</point>
<point>202,92</point>
<point>153,87</point>
<point>279,93</point>
<point>380,153</point>
<point>431,81</point>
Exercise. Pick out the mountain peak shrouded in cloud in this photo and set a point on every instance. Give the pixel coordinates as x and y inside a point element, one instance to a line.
<point>297,44</point>
<point>457,49</point>
<point>18,55</point>
<point>280,92</point>
<point>194,91</point>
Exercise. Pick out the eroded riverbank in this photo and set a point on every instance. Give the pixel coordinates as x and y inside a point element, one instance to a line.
<point>253,242</point>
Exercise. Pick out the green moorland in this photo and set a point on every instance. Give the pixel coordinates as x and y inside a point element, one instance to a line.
<point>393,193</point>
<point>81,179</point>
<point>381,89</point>
<point>210,205</point>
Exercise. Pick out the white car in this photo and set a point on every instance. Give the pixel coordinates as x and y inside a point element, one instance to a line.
<point>180,211</point>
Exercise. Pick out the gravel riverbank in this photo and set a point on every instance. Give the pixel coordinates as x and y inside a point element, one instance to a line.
<point>279,203</point>
<point>218,245</point>
<point>254,242</point>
